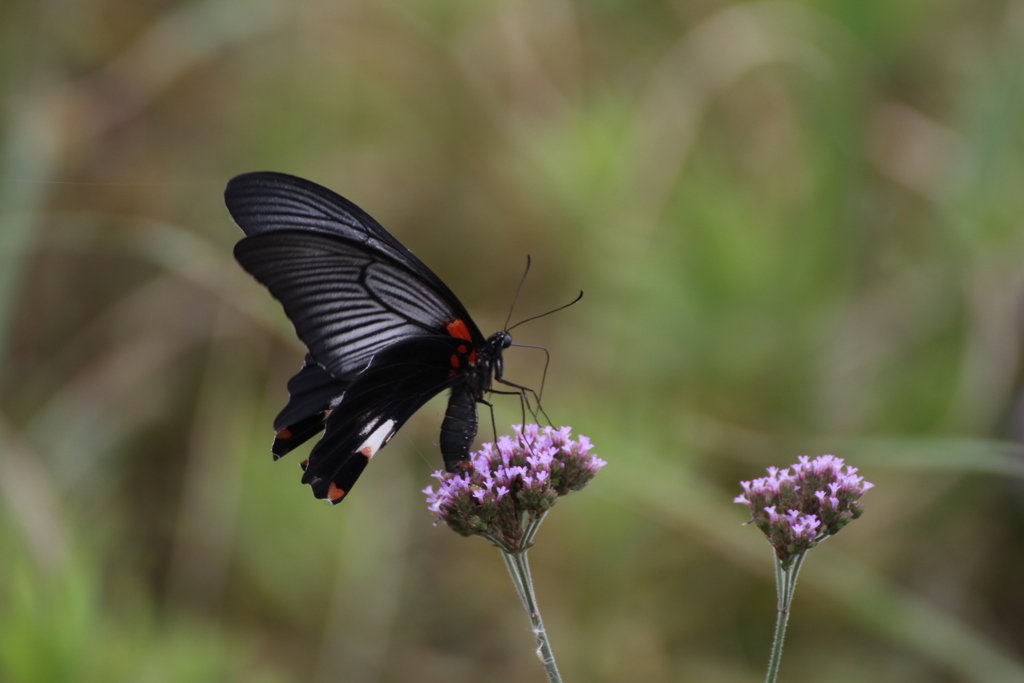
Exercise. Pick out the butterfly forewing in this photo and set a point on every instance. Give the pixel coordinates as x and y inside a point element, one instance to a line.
<point>347,304</point>
<point>266,201</point>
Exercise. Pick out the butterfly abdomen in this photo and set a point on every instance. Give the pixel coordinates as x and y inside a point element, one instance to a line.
<point>459,428</point>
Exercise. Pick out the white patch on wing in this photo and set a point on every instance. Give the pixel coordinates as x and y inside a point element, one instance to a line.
<point>378,438</point>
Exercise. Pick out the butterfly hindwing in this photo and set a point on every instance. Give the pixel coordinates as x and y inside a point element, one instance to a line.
<point>312,392</point>
<point>376,405</point>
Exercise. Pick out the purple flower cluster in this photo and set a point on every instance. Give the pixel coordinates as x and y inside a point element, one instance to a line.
<point>507,488</point>
<point>800,506</point>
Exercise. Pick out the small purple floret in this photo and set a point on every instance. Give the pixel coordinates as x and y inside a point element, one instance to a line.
<point>509,485</point>
<point>803,504</point>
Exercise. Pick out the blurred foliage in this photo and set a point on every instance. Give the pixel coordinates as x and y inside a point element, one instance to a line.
<point>799,227</point>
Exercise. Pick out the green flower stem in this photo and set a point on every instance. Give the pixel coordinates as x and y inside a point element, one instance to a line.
<point>519,570</point>
<point>785,585</point>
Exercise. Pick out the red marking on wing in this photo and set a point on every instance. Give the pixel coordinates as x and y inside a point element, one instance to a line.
<point>457,328</point>
<point>284,433</point>
<point>334,494</point>
<point>304,464</point>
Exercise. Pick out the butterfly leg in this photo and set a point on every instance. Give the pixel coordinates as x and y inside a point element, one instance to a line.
<point>524,391</point>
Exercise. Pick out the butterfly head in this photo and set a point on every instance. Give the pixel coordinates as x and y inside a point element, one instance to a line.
<point>496,343</point>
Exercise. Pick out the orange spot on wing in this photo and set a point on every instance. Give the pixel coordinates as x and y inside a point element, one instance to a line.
<point>284,433</point>
<point>304,464</point>
<point>455,360</point>
<point>334,494</point>
<point>457,328</point>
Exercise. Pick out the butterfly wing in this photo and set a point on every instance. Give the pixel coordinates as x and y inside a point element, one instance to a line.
<point>266,201</point>
<point>384,334</point>
<point>397,383</point>
<point>312,392</point>
<point>347,302</point>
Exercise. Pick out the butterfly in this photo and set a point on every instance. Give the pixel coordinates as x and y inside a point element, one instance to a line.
<point>383,333</point>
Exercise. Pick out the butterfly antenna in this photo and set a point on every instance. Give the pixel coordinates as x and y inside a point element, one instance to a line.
<point>541,315</point>
<point>518,289</point>
<point>547,360</point>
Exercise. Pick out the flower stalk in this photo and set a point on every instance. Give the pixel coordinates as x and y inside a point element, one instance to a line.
<point>503,495</point>
<point>519,569</point>
<point>785,586</point>
<point>797,508</point>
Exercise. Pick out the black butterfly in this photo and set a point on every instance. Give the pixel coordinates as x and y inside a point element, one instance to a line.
<point>384,334</point>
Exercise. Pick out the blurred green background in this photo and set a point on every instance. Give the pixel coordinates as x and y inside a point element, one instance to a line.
<point>800,229</point>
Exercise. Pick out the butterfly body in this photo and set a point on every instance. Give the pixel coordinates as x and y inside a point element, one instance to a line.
<point>384,334</point>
